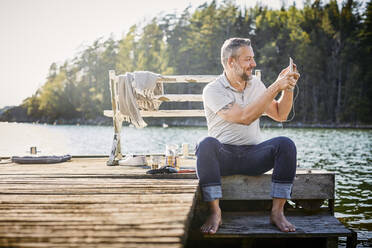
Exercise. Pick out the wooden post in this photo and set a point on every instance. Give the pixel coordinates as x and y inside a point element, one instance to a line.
<point>115,154</point>
<point>352,240</point>
<point>258,74</point>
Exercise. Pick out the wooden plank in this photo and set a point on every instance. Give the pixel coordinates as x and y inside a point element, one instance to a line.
<point>80,191</point>
<point>174,113</point>
<point>115,198</point>
<point>106,175</point>
<point>97,207</point>
<point>41,186</point>
<point>180,98</point>
<point>96,224</point>
<point>176,211</point>
<point>62,231</point>
<point>41,244</point>
<point>115,176</point>
<point>166,113</point>
<point>93,239</point>
<point>256,224</point>
<point>90,244</point>
<point>124,218</point>
<point>305,186</point>
<point>187,78</point>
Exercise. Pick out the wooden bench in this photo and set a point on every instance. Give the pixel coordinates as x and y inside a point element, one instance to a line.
<point>246,200</point>
<point>116,154</point>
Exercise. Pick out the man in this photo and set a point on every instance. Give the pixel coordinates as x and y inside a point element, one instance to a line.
<point>233,104</point>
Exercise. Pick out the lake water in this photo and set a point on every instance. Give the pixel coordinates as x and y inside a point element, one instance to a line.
<point>348,152</point>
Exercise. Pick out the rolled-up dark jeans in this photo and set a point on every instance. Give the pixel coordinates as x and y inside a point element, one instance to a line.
<point>215,159</point>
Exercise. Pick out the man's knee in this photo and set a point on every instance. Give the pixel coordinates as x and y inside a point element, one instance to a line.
<point>207,144</point>
<point>286,144</point>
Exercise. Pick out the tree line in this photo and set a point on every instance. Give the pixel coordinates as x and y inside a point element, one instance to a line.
<point>331,44</point>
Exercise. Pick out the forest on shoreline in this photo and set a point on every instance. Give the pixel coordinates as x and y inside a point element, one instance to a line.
<point>330,43</point>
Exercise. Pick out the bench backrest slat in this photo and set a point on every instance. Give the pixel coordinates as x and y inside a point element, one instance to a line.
<point>181,98</point>
<point>187,78</point>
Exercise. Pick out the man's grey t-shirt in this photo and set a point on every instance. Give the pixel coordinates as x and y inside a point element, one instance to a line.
<point>220,93</point>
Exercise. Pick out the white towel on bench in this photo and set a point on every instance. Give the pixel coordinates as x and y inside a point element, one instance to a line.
<point>135,92</point>
<point>144,81</point>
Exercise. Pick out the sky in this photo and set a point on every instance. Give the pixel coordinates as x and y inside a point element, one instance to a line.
<point>36,33</point>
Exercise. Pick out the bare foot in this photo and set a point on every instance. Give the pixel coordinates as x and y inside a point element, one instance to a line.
<point>278,219</point>
<point>212,223</point>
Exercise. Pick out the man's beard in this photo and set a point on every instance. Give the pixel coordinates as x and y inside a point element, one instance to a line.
<point>241,73</point>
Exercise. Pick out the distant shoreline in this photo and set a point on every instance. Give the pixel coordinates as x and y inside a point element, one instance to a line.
<point>19,115</point>
<point>177,122</point>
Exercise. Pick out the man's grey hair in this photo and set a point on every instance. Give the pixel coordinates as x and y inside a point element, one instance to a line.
<point>230,48</point>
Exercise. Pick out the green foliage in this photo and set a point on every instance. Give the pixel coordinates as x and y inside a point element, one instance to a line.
<point>126,57</point>
<point>328,42</point>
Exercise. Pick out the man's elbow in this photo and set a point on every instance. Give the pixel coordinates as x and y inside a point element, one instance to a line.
<point>282,118</point>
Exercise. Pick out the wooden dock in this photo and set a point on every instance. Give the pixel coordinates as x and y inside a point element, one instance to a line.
<point>84,203</point>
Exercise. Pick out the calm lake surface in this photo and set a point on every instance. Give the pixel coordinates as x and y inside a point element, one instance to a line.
<point>348,152</point>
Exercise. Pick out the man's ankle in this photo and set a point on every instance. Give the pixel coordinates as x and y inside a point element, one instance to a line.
<point>216,211</point>
<point>214,207</point>
<point>276,211</point>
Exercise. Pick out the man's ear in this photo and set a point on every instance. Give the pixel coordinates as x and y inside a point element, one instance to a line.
<point>230,61</point>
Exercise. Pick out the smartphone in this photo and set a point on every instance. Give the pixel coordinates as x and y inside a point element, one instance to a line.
<point>291,69</point>
<point>290,64</point>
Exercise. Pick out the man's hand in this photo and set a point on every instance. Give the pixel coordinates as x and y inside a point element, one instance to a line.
<point>287,79</point>
<point>279,110</point>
